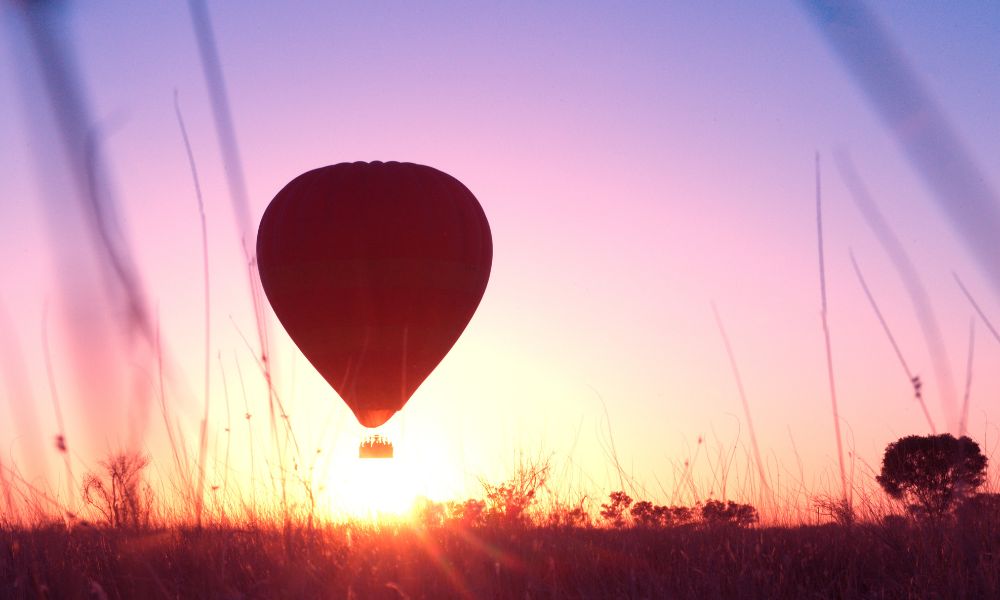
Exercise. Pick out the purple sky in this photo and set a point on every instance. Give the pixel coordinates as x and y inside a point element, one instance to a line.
<point>636,164</point>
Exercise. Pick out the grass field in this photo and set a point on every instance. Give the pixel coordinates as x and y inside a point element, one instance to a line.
<point>893,559</point>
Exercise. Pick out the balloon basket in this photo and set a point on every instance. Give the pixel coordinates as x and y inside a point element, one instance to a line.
<point>375,446</point>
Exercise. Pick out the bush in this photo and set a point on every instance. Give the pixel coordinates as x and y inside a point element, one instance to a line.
<point>576,517</point>
<point>471,513</point>
<point>563,515</point>
<point>645,514</point>
<point>123,499</point>
<point>614,511</point>
<point>678,515</point>
<point>932,474</point>
<point>509,501</point>
<point>716,512</point>
<point>837,509</point>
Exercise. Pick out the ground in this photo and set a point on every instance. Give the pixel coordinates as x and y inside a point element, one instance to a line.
<point>894,559</point>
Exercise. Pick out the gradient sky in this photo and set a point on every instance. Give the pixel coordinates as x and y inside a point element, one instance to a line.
<point>636,162</point>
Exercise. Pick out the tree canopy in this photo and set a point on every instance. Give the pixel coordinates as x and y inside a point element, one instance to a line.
<point>932,473</point>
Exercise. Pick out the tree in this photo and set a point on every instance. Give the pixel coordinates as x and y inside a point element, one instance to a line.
<point>717,512</point>
<point>614,511</point>
<point>509,501</point>
<point>123,498</point>
<point>931,474</point>
<point>645,514</point>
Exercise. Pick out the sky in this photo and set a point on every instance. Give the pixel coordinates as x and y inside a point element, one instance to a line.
<point>637,162</point>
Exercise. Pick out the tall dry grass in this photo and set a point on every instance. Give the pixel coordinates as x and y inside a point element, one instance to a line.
<point>891,559</point>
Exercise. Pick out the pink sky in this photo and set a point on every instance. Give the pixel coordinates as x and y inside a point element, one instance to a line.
<point>635,165</point>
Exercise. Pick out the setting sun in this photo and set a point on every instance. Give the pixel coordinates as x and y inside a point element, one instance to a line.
<point>380,489</point>
<point>376,489</point>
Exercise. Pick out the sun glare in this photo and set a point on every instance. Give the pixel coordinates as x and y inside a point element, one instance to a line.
<point>387,489</point>
<point>378,489</point>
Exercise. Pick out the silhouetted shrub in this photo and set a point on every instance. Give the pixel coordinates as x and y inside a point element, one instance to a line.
<point>577,517</point>
<point>614,511</point>
<point>678,515</point>
<point>509,501</point>
<point>837,509</point>
<point>471,513</point>
<point>716,512</point>
<point>931,474</point>
<point>563,515</point>
<point>122,498</point>
<point>645,514</point>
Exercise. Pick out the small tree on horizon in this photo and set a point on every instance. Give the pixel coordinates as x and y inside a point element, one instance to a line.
<point>645,514</point>
<point>717,512</point>
<point>615,510</point>
<point>933,473</point>
<point>508,502</point>
<point>122,497</point>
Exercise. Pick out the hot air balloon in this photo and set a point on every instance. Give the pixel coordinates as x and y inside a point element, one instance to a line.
<point>374,270</point>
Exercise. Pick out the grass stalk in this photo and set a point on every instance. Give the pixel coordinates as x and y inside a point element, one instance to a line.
<point>81,142</point>
<point>8,495</point>
<point>247,416</point>
<point>913,379</point>
<point>925,134</point>
<point>826,336</point>
<point>975,305</point>
<point>182,472</point>
<point>765,488</point>
<point>203,434</point>
<point>226,132</point>
<point>229,427</point>
<point>964,421</point>
<point>915,289</point>
<point>62,443</point>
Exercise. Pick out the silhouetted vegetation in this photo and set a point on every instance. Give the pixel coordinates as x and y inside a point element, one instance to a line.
<point>120,495</point>
<point>716,512</point>
<point>471,513</point>
<point>509,501</point>
<point>867,560</point>
<point>621,511</point>
<point>517,542</point>
<point>614,511</point>
<point>838,510</point>
<point>932,474</point>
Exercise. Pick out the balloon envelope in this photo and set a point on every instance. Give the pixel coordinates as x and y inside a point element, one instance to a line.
<point>374,269</point>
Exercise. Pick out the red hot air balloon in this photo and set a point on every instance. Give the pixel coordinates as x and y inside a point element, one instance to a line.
<point>374,269</point>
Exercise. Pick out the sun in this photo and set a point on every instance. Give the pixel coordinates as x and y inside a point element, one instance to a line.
<point>378,489</point>
<point>387,489</point>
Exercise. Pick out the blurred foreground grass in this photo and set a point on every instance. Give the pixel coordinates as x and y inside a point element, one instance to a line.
<point>896,558</point>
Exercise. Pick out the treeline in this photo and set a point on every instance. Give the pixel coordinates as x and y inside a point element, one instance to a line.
<point>935,477</point>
